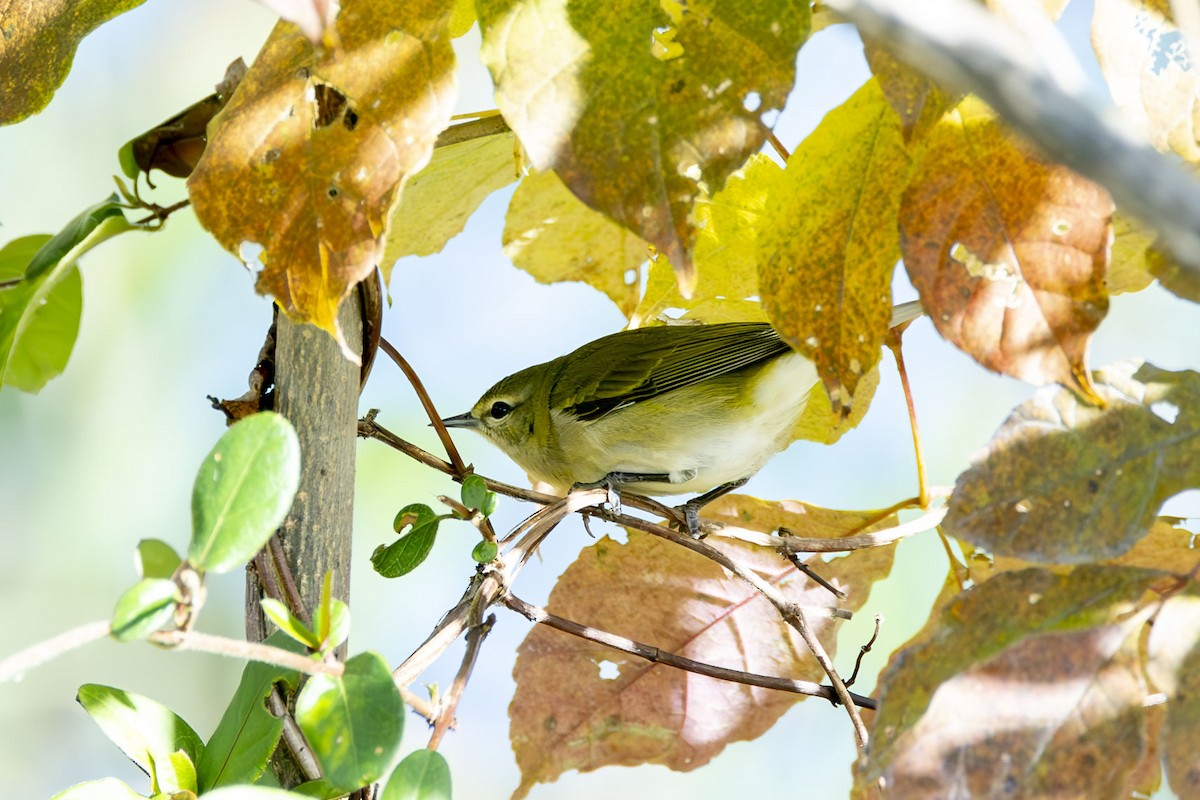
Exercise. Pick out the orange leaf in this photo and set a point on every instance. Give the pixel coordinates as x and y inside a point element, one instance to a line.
<point>1008,252</point>
<point>307,158</point>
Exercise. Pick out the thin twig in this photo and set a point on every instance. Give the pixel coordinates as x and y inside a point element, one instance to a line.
<point>655,655</point>
<point>293,737</point>
<point>778,145</point>
<point>791,612</point>
<point>787,543</point>
<point>250,651</point>
<point>293,599</point>
<point>16,665</point>
<point>814,577</point>
<point>866,648</point>
<point>445,715</point>
<point>894,343</point>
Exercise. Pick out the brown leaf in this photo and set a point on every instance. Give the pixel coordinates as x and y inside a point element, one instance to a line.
<point>1167,548</point>
<point>827,253</point>
<point>312,17</point>
<point>682,87</point>
<point>307,158</point>
<point>1027,686</point>
<point>581,706</point>
<point>1069,483</point>
<point>1007,252</point>
<point>1174,668</point>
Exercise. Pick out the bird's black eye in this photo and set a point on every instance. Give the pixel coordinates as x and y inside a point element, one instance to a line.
<point>500,409</point>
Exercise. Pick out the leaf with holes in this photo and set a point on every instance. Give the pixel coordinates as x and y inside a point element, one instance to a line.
<point>1030,681</point>
<point>1008,253</point>
<point>1066,482</point>
<point>827,253</point>
<point>306,160</point>
<point>580,705</point>
<point>683,87</point>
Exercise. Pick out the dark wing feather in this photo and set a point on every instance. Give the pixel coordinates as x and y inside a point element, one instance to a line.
<point>631,366</point>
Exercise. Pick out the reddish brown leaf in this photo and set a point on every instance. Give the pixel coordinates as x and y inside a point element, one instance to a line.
<point>582,706</point>
<point>1007,252</point>
<point>1026,686</point>
<point>1065,482</point>
<point>308,156</point>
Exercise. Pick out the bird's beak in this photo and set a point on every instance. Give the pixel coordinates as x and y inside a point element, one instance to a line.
<point>461,421</point>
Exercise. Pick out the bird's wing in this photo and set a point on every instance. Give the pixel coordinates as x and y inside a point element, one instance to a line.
<point>631,366</point>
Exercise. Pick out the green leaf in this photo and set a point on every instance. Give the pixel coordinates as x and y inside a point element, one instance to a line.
<point>353,722</point>
<point>474,492</point>
<point>1065,482</point>
<point>422,775</point>
<point>485,551</point>
<point>39,45</point>
<point>704,74</point>
<point>332,618</point>
<point>144,729</point>
<point>175,773</point>
<point>144,608</point>
<point>155,558</point>
<point>103,789</point>
<point>289,623</point>
<point>490,501</point>
<point>246,736</point>
<point>406,553</point>
<point>39,315</point>
<point>322,789</point>
<point>412,514</point>
<point>243,491</point>
<point>252,793</point>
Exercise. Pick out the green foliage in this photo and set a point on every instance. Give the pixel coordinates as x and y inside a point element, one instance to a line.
<point>411,549</point>
<point>156,559</point>
<point>422,775</point>
<point>242,492</point>
<point>247,734</point>
<point>146,607</point>
<point>353,722</point>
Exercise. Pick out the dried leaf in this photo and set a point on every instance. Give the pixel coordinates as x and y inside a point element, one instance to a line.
<point>37,45</point>
<point>1174,668</point>
<point>1151,74</point>
<point>312,17</point>
<point>1167,548</point>
<point>553,236</point>
<point>1068,483</point>
<point>439,199</point>
<point>727,226</point>
<point>682,86</point>
<point>582,706</point>
<point>307,158</point>
<point>1028,685</point>
<point>1007,252</point>
<point>827,253</point>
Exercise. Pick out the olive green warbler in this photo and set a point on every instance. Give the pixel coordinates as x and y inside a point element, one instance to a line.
<point>672,409</point>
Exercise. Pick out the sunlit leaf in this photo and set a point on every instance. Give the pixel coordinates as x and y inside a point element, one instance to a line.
<point>147,606</point>
<point>1007,252</point>
<point>144,729</point>
<point>828,251</point>
<point>104,789</point>
<point>1030,681</point>
<point>1174,668</point>
<point>439,199</point>
<point>727,231</point>
<point>305,162</point>
<point>156,559</point>
<point>1066,482</point>
<point>1152,77</point>
<point>918,103</point>
<point>682,87</point>
<point>553,236</point>
<point>39,311</point>
<point>312,17</point>
<point>353,722</point>
<point>1127,268</point>
<point>38,45</point>
<point>243,491</point>
<point>580,705</point>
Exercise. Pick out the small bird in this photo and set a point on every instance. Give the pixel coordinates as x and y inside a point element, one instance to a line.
<point>672,409</point>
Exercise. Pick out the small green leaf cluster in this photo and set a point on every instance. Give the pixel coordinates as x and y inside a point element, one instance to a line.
<point>413,547</point>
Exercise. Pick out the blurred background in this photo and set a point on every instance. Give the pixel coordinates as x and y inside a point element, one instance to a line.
<point>106,454</point>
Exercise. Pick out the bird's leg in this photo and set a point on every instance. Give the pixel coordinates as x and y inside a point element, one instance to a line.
<point>691,509</point>
<point>614,480</point>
